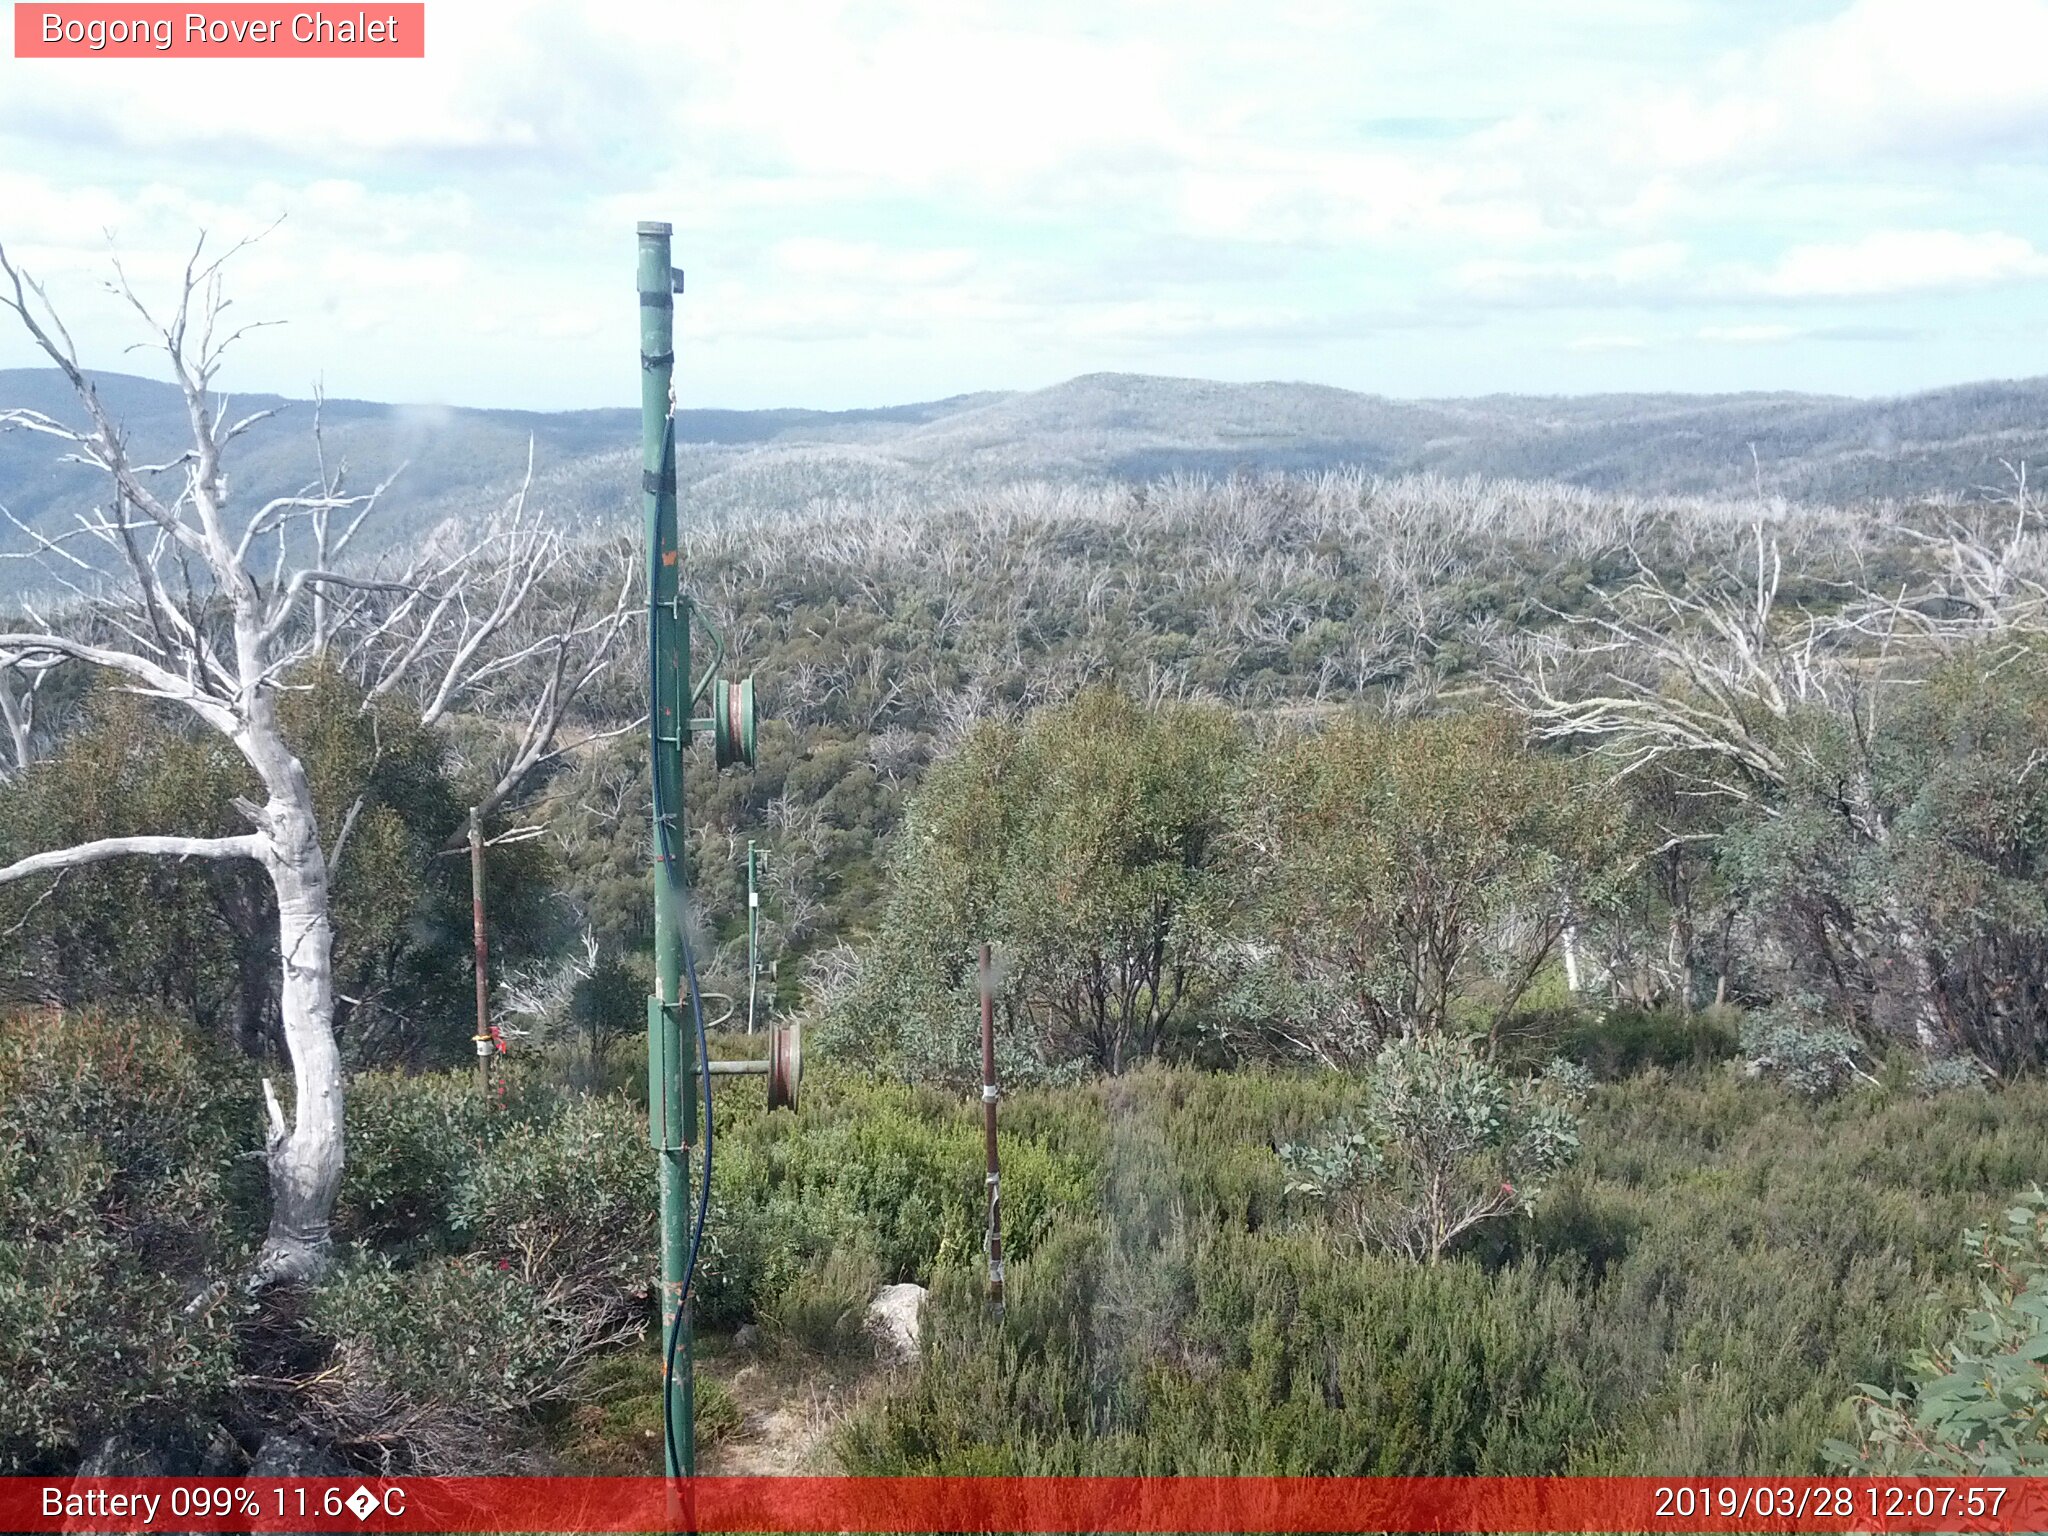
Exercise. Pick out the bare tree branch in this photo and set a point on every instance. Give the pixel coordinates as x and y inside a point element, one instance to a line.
<point>247,846</point>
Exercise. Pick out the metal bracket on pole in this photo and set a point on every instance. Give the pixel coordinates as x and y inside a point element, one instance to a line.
<point>666,1074</point>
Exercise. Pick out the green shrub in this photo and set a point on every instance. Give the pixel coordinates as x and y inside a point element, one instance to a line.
<point>1949,1074</point>
<point>1280,1356</point>
<point>126,1203</point>
<point>1790,1043</point>
<point>890,1170</point>
<point>1697,1293</point>
<point>562,1185</point>
<point>1444,1142</point>
<point>1087,845</point>
<point>1978,1406</point>
<point>417,1139</point>
<point>568,1203</point>
<point>441,1367</point>
<point>1624,1040</point>
<point>502,1245</point>
<point>411,1138</point>
<point>824,1312</point>
<point>1421,865</point>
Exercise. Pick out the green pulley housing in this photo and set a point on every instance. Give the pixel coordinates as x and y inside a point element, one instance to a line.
<point>732,722</point>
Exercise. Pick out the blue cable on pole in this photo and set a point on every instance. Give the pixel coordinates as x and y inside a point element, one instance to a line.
<point>665,842</point>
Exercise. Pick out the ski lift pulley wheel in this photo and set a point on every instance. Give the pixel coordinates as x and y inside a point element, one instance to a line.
<point>732,722</point>
<point>785,1064</point>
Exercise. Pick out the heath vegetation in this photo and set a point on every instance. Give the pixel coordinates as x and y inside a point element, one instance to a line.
<point>1494,977</point>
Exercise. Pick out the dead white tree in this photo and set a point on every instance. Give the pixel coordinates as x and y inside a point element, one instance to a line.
<point>20,686</point>
<point>1698,674</point>
<point>215,609</point>
<point>1993,580</point>
<point>1705,680</point>
<point>505,626</point>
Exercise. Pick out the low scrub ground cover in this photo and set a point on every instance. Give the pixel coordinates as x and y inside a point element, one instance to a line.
<point>1701,1291</point>
<point>1705,1287</point>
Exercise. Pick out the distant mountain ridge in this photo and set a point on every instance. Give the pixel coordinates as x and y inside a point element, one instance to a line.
<point>461,461</point>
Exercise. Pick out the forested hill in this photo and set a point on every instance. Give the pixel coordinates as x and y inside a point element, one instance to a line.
<point>1099,427</point>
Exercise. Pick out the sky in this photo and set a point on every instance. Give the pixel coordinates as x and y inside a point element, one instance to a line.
<point>879,201</point>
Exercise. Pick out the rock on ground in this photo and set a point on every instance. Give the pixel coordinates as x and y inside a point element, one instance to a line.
<point>893,1317</point>
<point>289,1456</point>
<point>124,1455</point>
<point>198,1448</point>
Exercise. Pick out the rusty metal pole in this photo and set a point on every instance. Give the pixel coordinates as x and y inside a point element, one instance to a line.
<point>753,935</point>
<point>483,969</point>
<point>989,1094</point>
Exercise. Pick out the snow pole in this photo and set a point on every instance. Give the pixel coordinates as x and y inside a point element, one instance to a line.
<point>671,1101</point>
<point>679,1065</point>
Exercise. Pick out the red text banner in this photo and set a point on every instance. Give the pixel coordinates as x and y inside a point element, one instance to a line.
<point>1163,1504</point>
<point>217,31</point>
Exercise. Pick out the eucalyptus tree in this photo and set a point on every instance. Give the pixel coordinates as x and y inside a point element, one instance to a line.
<point>214,608</point>
<point>1087,844</point>
<point>1411,877</point>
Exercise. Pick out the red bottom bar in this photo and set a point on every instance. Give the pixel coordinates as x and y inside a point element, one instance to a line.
<point>1024,1504</point>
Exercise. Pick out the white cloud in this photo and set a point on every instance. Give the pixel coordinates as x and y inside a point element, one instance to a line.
<point>1883,100</point>
<point>1748,335</point>
<point>934,96</point>
<point>1631,269</point>
<point>510,76</point>
<point>1878,265</point>
<point>1901,261</point>
<point>1878,78</point>
<point>866,261</point>
<point>1900,77</point>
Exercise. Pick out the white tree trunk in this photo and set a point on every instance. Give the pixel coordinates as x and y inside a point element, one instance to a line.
<point>1930,1030</point>
<point>1901,925</point>
<point>305,1153</point>
<point>19,717</point>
